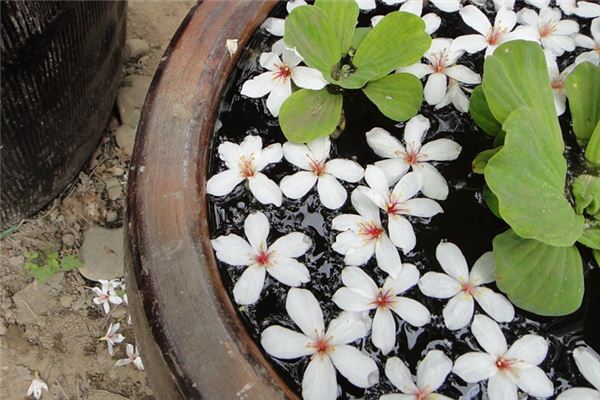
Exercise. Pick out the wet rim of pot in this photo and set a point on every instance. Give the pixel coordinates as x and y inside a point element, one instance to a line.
<point>167,220</point>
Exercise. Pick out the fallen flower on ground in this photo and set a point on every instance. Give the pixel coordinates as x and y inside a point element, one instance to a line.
<point>312,158</point>
<point>361,294</point>
<point>36,387</point>
<point>462,287</point>
<point>328,349</point>
<point>133,357</point>
<point>106,296</point>
<point>431,374</point>
<point>112,338</point>
<point>505,369</point>
<point>278,260</point>
<point>245,162</point>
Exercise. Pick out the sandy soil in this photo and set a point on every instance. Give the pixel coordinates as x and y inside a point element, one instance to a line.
<point>52,329</point>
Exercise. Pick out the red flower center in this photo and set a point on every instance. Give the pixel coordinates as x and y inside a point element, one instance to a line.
<point>384,299</point>
<point>371,231</point>
<point>468,287</point>
<point>411,157</point>
<point>421,394</point>
<point>547,29</point>
<point>503,364</point>
<point>558,84</point>
<point>439,62</point>
<point>317,167</point>
<point>495,35</point>
<point>246,167</point>
<point>283,71</point>
<point>321,345</point>
<point>262,258</point>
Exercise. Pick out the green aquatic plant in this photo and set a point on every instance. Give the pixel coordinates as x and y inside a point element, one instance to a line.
<point>351,58</point>
<point>538,263</point>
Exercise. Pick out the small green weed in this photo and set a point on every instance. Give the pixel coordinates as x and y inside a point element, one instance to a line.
<point>42,267</point>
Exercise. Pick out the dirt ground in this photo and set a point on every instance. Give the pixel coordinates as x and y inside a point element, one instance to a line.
<point>52,329</point>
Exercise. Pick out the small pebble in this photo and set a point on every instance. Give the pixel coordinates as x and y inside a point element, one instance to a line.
<point>68,240</point>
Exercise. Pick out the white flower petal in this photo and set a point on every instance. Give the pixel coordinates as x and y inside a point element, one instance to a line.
<point>388,258</point>
<point>484,270</point>
<point>463,74</point>
<point>303,308</point>
<point>297,154</point>
<point>452,261</point>
<point>250,146</point>
<point>439,286</point>
<point>247,289</point>
<point>348,240</point>
<point>440,150</point>
<point>527,16</point>
<point>284,343</point>
<point>394,169</point>
<point>356,278</point>
<point>275,26</point>
<point>432,22</point>
<point>434,184</point>
<point>297,185</point>
<point>476,19</point>
<point>379,200</point>
<point>269,61</point>
<point>258,86</point>
<point>383,334</point>
<point>488,335</point>
<point>355,366</point>
<point>447,5</point>
<point>435,88</point>
<point>530,349</point>
<point>458,312</point>
<point>433,370</point>
<point>411,311</point>
<point>319,381</point>
<point>264,190</point>
<point>401,233</point>
<point>500,387</point>
<point>566,27</point>
<point>331,192</point>
<point>360,255</point>
<point>291,58</point>
<point>419,70</point>
<point>470,43</point>
<point>279,93</point>
<point>383,143</point>
<point>586,9</point>
<point>377,181</point>
<point>365,207</point>
<point>579,394</point>
<point>407,278</point>
<point>413,6</point>
<point>230,153</point>
<point>533,380</point>
<point>588,363</point>
<point>422,207</point>
<point>408,186</point>
<point>223,182</point>
<point>256,229</point>
<point>233,250</point>
<point>288,271</point>
<point>293,244</point>
<point>346,170</point>
<point>350,299</point>
<point>347,221</point>
<point>494,304</point>
<point>366,4</point>
<point>348,327</point>
<point>474,367</point>
<point>308,78</point>
<point>506,19</point>
<point>399,374</point>
<point>273,153</point>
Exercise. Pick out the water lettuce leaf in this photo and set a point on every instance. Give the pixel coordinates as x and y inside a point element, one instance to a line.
<point>343,15</point>
<point>359,35</point>
<point>481,114</point>
<point>309,114</point>
<point>591,236</point>
<point>586,191</point>
<point>583,88</point>
<point>397,96</point>
<point>528,177</point>
<point>543,279</point>
<point>480,161</point>
<point>592,151</point>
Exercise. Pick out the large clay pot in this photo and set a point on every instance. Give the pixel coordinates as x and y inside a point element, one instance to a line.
<point>193,343</point>
<point>61,65</point>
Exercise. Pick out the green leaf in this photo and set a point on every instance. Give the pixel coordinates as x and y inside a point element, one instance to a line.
<point>398,40</point>
<point>528,177</point>
<point>343,15</point>
<point>311,32</point>
<point>586,191</point>
<point>592,151</point>
<point>31,255</point>
<point>68,263</point>
<point>516,76</point>
<point>42,274</point>
<point>309,114</point>
<point>359,35</point>
<point>591,236</point>
<point>543,279</point>
<point>481,159</point>
<point>491,200</point>
<point>397,96</point>
<point>52,262</point>
<point>596,254</point>
<point>483,117</point>
<point>29,266</point>
<point>583,91</point>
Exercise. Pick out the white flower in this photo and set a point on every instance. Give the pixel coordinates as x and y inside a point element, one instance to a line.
<point>463,286</point>
<point>360,294</point>
<point>491,36</point>
<point>112,337</point>
<point>312,158</point>
<point>366,4</point>
<point>441,58</point>
<point>277,81</point>
<point>555,35</point>
<point>244,162</point>
<point>132,357</point>
<point>505,369</point>
<point>414,156</point>
<point>455,96</point>
<point>588,363</point>
<point>431,374</point>
<point>398,203</point>
<point>279,259</point>
<point>444,5</point>
<point>557,82</point>
<point>584,9</point>
<point>106,295</point>
<point>363,235</point>
<point>35,389</point>
<point>432,21</point>
<point>592,43</point>
<point>329,349</point>
<point>276,26</point>
<point>111,285</point>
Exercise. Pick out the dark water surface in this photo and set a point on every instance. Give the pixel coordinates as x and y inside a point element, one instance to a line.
<point>466,221</point>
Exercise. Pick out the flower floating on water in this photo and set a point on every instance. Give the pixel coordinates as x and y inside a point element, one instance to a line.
<point>463,287</point>
<point>360,294</point>
<point>399,203</point>
<point>276,26</point>
<point>557,82</point>
<point>431,374</point>
<point>584,9</point>
<point>279,259</point>
<point>244,162</point>
<point>277,81</point>
<point>106,295</point>
<point>442,58</point>
<point>505,369</point>
<point>592,43</point>
<point>491,36</point>
<point>363,235</point>
<point>35,389</point>
<point>312,158</point>
<point>588,363</point>
<point>455,96</point>
<point>132,357</point>
<point>112,337</point>
<point>444,5</point>
<point>329,349</point>
<point>555,35</point>
<point>414,155</point>
<point>432,21</point>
